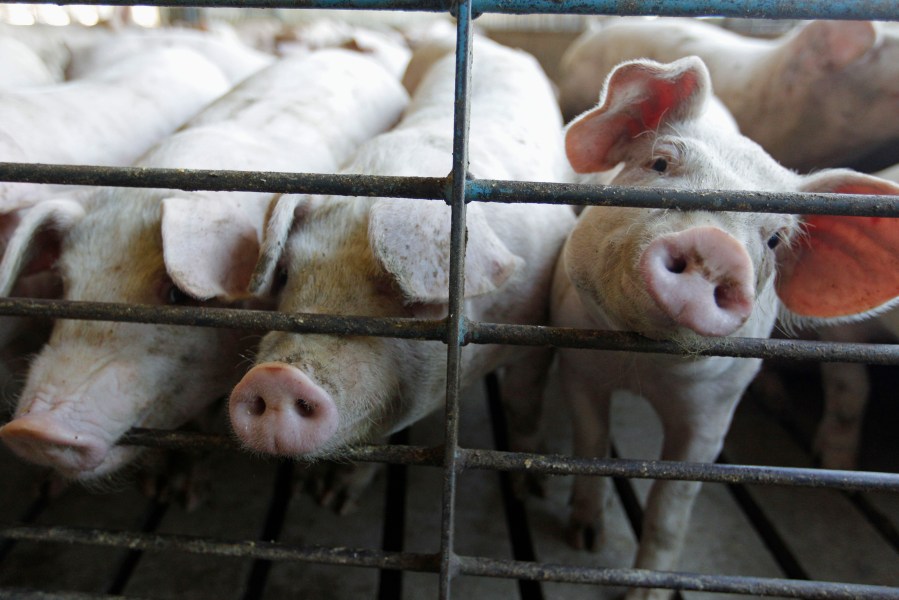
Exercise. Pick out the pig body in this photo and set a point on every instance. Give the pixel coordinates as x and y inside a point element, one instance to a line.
<point>235,59</point>
<point>823,95</point>
<point>314,395</point>
<point>22,66</point>
<point>95,380</point>
<point>678,275</point>
<point>110,118</point>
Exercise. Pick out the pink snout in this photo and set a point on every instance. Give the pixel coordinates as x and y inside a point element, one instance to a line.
<point>277,409</point>
<point>43,439</point>
<point>701,278</point>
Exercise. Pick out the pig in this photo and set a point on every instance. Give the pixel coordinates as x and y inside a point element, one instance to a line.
<point>95,380</point>
<point>315,395</point>
<point>824,95</point>
<point>846,386</point>
<point>383,44</point>
<point>109,118</point>
<point>22,67</point>
<point>236,60</point>
<point>682,275</point>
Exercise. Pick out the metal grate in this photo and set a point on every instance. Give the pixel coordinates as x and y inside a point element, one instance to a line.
<point>457,330</point>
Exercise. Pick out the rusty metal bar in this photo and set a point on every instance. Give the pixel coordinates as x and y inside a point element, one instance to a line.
<point>476,566</point>
<point>771,9</point>
<point>456,319</point>
<point>494,460</point>
<point>435,330</point>
<point>26,594</point>
<point>437,188</point>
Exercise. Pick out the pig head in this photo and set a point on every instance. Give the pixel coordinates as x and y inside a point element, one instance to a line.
<point>93,381</point>
<point>679,275</point>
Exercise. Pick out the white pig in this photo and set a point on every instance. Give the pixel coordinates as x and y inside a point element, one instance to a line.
<point>823,95</point>
<point>678,275</point>
<point>846,386</point>
<point>236,60</point>
<point>95,380</point>
<point>21,66</point>
<point>314,395</point>
<point>109,118</point>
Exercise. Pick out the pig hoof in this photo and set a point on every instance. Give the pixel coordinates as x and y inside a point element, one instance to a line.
<point>582,537</point>
<point>338,487</point>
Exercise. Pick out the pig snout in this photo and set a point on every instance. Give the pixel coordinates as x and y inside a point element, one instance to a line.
<point>701,278</point>
<point>277,409</point>
<point>46,440</point>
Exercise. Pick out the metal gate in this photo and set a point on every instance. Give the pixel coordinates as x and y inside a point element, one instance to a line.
<point>457,330</point>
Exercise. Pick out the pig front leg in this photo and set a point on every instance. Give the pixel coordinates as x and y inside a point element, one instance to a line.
<point>693,433</point>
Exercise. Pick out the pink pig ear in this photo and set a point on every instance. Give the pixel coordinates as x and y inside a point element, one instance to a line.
<point>210,246</point>
<point>842,266</point>
<point>284,214</point>
<point>411,239</point>
<point>34,237</point>
<point>822,46</point>
<point>638,96</point>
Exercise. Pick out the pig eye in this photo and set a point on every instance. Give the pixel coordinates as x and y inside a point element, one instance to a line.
<point>659,165</point>
<point>774,241</point>
<point>170,293</point>
<point>280,279</point>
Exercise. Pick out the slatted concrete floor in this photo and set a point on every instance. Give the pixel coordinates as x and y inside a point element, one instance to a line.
<point>755,531</point>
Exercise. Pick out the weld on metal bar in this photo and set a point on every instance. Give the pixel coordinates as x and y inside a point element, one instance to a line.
<point>772,9</point>
<point>476,566</point>
<point>437,188</point>
<point>456,320</point>
<point>494,460</point>
<point>435,330</point>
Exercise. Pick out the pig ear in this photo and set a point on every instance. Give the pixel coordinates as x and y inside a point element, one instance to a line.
<point>33,246</point>
<point>842,266</point>
<point>411,239</point>
<point>638,96</point>
<point>831,45</point>
<point>211,245</point>
<point>284,212</point>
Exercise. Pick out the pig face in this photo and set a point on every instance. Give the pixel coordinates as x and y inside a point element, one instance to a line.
<point>316,394</point>
<point>95,380</point>
<point>673,274</point>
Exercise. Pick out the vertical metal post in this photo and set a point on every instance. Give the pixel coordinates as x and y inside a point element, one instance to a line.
<point>456,323</point>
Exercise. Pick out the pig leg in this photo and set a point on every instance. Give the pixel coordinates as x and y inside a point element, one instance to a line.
<point>694,433</point>
<point>590,418</point>
<point>522,388</point>
<point>338,487</point>
<point>846,389</point>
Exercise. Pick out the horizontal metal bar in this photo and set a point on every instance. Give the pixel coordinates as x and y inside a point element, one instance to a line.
<point>495,460</point>
<point>486,190</point>
<point>227,318</point>
<point>259,550</point>
<point>752,586</point>
<point>468,565</point>
<point>433,188</point>
<point>435,330</point>
<point>8,593</point>
<point>739,347</point>
<point>437,188</point>
<point>772,9</point>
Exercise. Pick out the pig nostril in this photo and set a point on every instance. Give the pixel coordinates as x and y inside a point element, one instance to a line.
<point>304,408</point>
<point>726,296</point>
<point>676,264</point>
<point>257,406</point>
